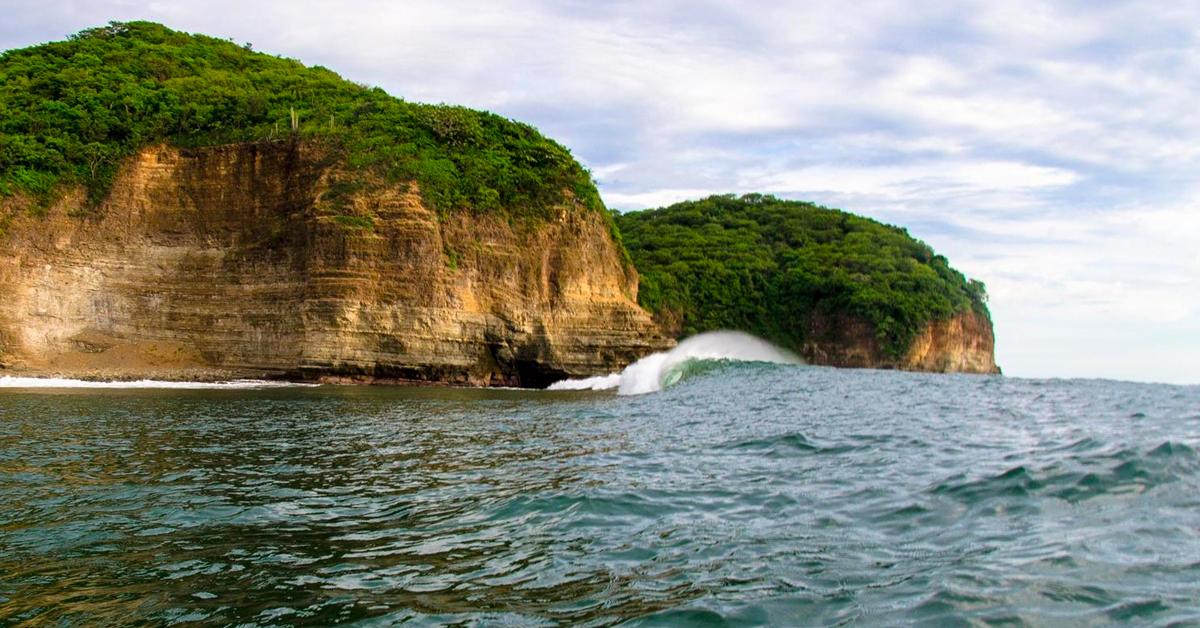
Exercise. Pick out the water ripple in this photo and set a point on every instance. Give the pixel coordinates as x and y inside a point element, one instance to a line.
<point>748,495</point>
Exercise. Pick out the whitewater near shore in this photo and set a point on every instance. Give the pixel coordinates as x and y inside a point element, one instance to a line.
<point>699,352</point>
<point>60,382</point>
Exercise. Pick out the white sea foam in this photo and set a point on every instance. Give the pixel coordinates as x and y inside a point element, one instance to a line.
<point>56,382</point>
<point>600,382</point>
<point>658,370</point>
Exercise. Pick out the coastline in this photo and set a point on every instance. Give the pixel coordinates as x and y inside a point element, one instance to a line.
<point>215,376</point>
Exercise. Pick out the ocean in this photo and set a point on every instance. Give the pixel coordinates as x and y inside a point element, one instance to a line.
<point>747,493</point>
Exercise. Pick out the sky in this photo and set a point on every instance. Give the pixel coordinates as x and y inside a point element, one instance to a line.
<point>1049,149</point>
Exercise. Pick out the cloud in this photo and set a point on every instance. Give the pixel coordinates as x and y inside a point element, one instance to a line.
<point>928,181</point>
<point>657,198</point>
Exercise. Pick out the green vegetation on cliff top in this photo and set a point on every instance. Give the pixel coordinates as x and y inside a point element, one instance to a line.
<point>769,266</point>
<point>71,111</point>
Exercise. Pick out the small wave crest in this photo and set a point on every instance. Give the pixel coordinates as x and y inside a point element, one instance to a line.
<point>695,354</point>
<point>1081,478</point>
<point>58,382</point>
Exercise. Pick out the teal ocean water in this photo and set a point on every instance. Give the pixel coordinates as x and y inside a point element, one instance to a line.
<point>746,494</point>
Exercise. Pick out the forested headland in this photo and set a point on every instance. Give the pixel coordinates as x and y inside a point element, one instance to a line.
<point>768,266</point>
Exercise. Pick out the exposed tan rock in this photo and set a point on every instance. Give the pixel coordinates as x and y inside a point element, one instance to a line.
<point>234,260</point>
<point>962,344</point>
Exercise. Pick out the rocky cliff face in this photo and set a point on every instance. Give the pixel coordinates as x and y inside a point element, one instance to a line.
<point>261,260</point>
<point>962,344</point>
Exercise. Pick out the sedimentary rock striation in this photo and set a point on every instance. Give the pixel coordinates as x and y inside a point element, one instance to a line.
<point>255,259</point>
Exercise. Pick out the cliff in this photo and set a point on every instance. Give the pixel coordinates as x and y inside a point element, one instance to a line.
<point>258,259</point>
<point>963,343</point>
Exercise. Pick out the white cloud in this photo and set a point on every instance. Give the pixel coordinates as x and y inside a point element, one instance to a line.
<point>657,198</point>
<point>931,180</point>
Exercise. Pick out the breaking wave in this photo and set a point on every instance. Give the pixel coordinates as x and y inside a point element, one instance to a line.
<point>58,382</point>
<point>694,355</point>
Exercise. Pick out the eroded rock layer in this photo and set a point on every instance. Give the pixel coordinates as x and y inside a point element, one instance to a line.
<point>964,343</point>
<point>260,259</point>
